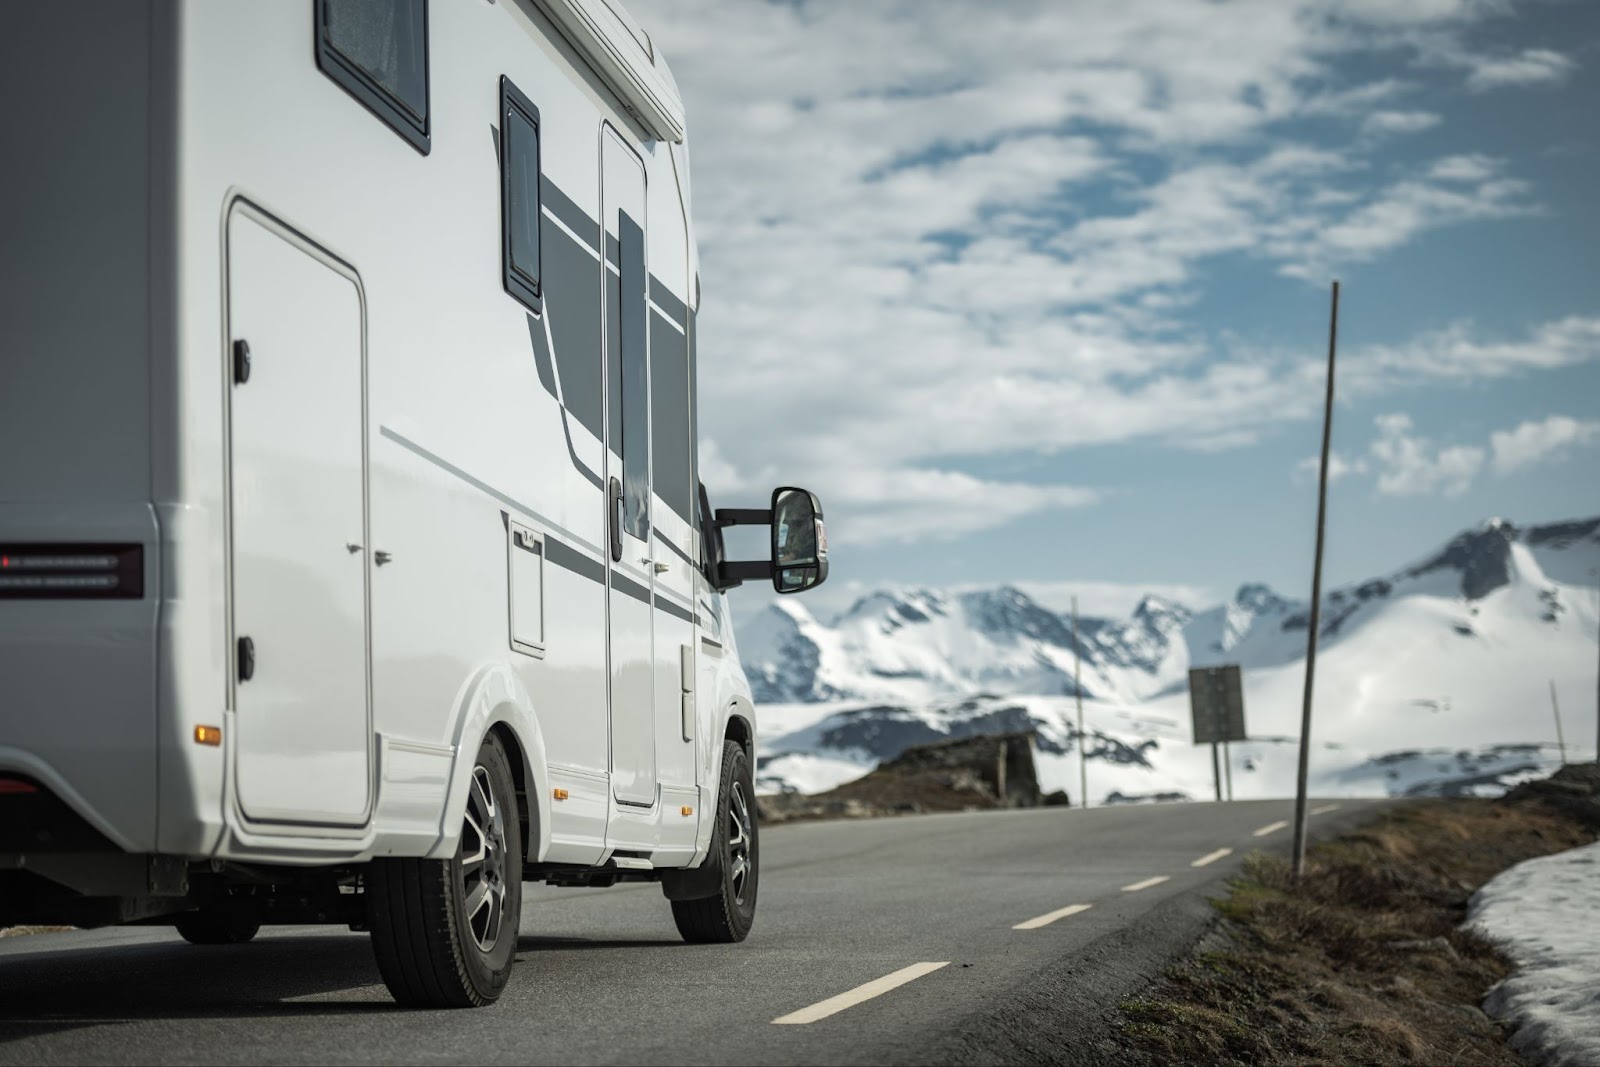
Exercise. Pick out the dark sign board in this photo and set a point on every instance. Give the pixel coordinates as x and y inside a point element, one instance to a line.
<point>1216,699</point>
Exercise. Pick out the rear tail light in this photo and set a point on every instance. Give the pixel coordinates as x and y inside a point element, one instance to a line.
<point>71,572</point>
<point>13,786</point>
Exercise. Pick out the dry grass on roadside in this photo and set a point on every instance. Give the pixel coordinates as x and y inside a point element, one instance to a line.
<point>22,931</point>
<point>1365,961</point>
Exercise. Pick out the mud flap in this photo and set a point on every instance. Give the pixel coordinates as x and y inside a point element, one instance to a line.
<point>694,883</point>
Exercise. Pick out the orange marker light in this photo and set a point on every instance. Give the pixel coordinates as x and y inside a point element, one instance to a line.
<point>686,811</point>
<point>559,794</point>
<point>208,735</point>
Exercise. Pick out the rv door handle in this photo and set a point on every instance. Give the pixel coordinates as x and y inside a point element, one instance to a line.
<point>380,557</point>
<point>616,521</point>
<point>662,568</point>
<point>352,547</point>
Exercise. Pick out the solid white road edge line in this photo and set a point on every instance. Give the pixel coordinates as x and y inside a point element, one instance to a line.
<point>1212,857</point>
<point>875,988</point>
<point>1146,884</point>
<point>1047,919</point>
<point>1324,809</point>
<point>1270,828</point>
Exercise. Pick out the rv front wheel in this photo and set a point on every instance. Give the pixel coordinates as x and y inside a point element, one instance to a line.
<point>727,914</point>
<point>445,931</point>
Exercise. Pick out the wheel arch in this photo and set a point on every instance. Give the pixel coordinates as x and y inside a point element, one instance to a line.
<point>495,701</point>
<point>741,727</point>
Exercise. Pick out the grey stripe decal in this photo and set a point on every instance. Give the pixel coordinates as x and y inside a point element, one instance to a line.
<point>541,356</point>
<point>446,465</point>
<point>568,558</point>
<point>710,645</point>
<point>621,583</point>
<point>547,378</point>
<point>666,301</point>
<point>613,251</point>
<point>680,553</point>
<point>583,468</point>
<point>571,215</point>
<point>676,612</point>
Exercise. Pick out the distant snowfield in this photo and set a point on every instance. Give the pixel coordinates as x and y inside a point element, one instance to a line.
<point>1433,680</point>
<point>1544,911</point>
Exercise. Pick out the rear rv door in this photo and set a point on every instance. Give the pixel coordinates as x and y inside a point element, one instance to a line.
<point>298,520</point>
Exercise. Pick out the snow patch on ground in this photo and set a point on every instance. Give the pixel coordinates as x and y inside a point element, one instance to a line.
<point>1545,911</point>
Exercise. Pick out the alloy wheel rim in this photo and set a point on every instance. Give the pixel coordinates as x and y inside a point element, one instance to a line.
<point>740,863</point>
<point>483,862</point>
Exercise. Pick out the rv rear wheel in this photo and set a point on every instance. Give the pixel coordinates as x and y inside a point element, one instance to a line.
<point>216,928</point>
<point>445,931</point>
<point>728,914</point>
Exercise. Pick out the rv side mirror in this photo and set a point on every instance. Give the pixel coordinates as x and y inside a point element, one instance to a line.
<point>799,541</point>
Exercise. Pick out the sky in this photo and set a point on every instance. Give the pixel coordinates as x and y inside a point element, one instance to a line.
<point>1038,293</point>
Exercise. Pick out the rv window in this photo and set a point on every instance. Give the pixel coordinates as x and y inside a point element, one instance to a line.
<point>519,195</point>
<point>672,474</point>
<point>635,380</point>
<point>378,51</point>
<point>712,552</point>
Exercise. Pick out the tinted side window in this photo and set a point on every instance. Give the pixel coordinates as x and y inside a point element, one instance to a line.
<point>378,51</point>
<point>635,380</point>
<point>669,417</point>
<point>519,195</point>
<point>711,549</point>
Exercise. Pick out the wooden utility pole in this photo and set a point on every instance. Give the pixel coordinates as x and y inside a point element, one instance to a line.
<point>1316,603</point>
<point>1555,708</point>
<point>1077,689</point>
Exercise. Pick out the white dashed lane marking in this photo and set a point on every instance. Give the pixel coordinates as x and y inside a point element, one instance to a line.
<point>1324,809</point>
<point>1050,917</point>
<point>1146,884</point>
<point>1270,828</point>
<point>875,988</point>
<point>1212,857</point>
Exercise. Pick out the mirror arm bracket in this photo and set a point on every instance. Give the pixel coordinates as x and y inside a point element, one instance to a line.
<point>744,517</point>
<point>736,571</point>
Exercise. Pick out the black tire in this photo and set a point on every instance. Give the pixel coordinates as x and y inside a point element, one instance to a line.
<point>216,928</point>
<point>727,915</point>
<point>436,931</point>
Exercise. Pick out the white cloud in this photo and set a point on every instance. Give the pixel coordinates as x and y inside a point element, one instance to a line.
<point>1339,466</point>
<point>1457,354</point>
<point>1409,465</point>
<point>1537,442</point>
<point>950,231</point>
<point>1471,167</point>
<point>1382,123</point>
<point>1532,66</point>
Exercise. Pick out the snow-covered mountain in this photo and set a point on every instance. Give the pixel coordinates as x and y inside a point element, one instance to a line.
<point>1452,654</point>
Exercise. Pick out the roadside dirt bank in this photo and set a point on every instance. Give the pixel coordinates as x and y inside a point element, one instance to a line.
<point>1365,960</point>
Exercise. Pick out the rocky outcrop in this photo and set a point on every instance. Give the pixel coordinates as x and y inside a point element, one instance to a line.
<point>958,774</point>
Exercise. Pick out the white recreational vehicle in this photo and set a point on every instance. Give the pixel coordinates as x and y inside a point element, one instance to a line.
<point>354,566</point>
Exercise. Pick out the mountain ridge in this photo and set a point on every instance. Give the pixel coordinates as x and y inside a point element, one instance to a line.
<point>921,643</point>
<point>1431,679</point>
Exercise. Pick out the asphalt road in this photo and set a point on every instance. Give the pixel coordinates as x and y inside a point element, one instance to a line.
<point>603,978</point>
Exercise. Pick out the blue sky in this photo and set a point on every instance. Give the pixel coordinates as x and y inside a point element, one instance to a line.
<point>1037,293</point>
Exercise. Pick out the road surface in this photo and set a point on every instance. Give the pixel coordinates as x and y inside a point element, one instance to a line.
<point>937,938</point>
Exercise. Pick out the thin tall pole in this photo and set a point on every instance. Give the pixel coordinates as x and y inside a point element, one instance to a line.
<point>1077,689</point>
<point>1227,768</point>
<point>1555,708</point>
<point>1316,603</point>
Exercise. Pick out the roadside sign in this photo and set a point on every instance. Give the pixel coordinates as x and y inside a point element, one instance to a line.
<point>1216,701</point>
